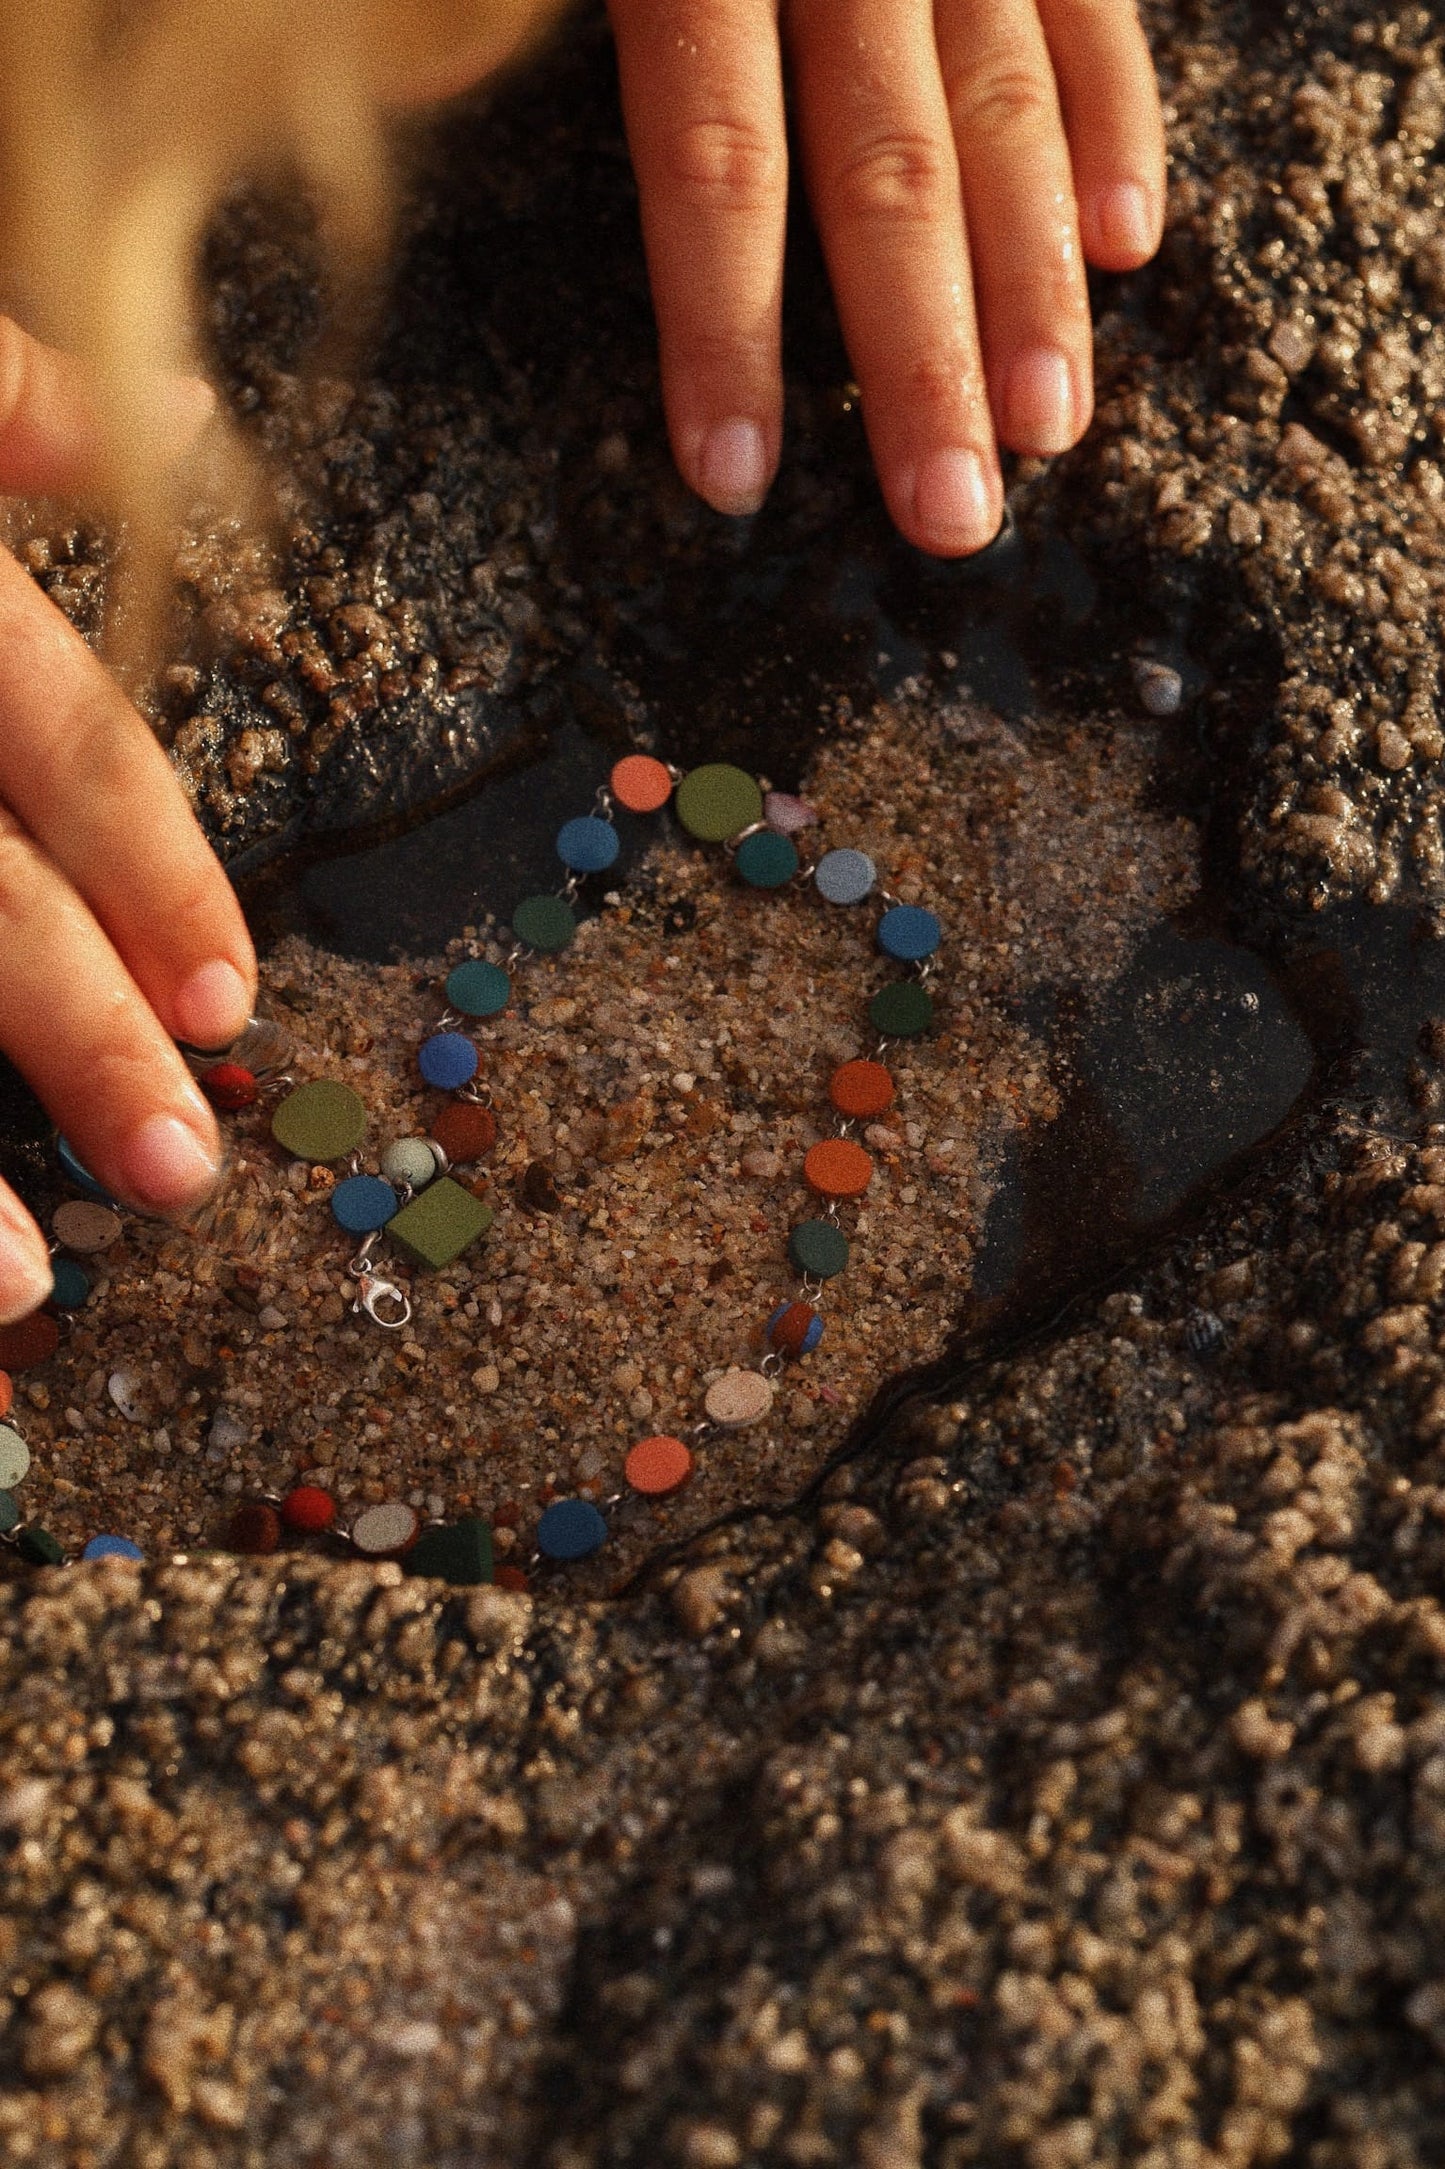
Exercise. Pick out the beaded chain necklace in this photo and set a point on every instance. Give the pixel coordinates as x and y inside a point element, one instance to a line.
<point>416,1201</point>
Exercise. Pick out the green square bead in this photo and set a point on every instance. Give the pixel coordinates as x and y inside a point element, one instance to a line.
<point>461,1553</point>
<point>438,1225</point>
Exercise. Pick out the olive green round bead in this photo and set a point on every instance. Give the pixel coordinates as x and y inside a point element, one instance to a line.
<point>718,801</point>
<point>320,1121</point>
<point>817,1247</point>
<point>545,923</point>
<point>902,1010</point>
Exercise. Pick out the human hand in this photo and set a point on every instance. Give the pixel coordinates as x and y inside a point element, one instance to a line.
<point>964,159</point>
<point>118,927</point>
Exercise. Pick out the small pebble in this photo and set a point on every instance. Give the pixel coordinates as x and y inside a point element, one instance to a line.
<point>1160,689</point>
<point>227,1431</point>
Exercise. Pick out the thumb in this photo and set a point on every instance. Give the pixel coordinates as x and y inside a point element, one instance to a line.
<point>50,433</point>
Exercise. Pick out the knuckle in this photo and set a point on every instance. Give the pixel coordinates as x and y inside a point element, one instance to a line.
<point>727,164</point>
<point>1002,104</point>
<point>943,387</point>
<point>899,178</point>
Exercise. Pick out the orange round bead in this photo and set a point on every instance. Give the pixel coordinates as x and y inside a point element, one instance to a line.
<point>838,1168</point>
<point>7,1393</point>
<point>658,1465</point>
<point>861,1089</point>
<point>640,783</point>
<point>464,1130</point>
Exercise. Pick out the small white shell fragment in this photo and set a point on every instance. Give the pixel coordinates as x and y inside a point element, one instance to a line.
<point>83,1228</point>
<point>1160,689</point>
<point>227,1431</point>
<point>737,1399</point>
<point>126,1392</point>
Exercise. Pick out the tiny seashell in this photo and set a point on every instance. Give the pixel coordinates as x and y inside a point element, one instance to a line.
<point>126,1392</point>
<point>787,814</point>
<point>1160,689</point>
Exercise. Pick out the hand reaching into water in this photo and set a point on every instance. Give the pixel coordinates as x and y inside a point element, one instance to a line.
<point>118,927</point>
<point>965,158</point>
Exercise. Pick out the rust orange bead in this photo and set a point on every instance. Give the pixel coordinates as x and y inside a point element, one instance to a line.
<point>7,1393</point>
<point>464,1130</point>
<point>29,1341</point>
<point>860,1089</point>
<point>640,783</point>
<point>658,1465</point>
<point>789,1328</point>
<point>838,1168</point>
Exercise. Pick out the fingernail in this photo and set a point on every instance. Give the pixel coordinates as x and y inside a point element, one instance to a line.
<point>732,470</point>
<point>212,1007</point>
<point>165,1166</point>
<point>953,505</point>
<point>25,1276</point>
<point>1127,224</point>
<point>1039,402</point>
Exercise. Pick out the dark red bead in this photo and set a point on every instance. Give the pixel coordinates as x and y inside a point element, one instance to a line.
<point>254,1529</point>
<point>229,1087</point>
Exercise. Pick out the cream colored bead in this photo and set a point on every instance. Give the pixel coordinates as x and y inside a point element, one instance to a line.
<point>738,1398</point>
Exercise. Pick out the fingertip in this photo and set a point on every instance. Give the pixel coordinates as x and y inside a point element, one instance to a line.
<point>951,503</point>
<point>171,1165</point>
<point>211,1008</point>
<point>26,1278</point>
<point>730,466</point>
<point>1124,223</point>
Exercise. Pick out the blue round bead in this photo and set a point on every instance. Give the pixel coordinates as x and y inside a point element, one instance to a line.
<point>448,1059</point>
<point>112,1547</point>
<point>845,877</point>
<point>766,860</point>
<point>478,989</point>
<point>73,1167</point>
<point>908,933</point>
<point>588,845</point>
<point>70,1283</point>
<point>363,1203</point>
<point>571,1529</point>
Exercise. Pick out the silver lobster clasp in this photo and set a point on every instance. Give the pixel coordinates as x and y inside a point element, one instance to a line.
<point>383,1302</point>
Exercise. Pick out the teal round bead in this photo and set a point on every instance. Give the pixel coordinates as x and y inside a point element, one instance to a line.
<point>766,860</point>
<point>545,923</point>
<point>9,1513</point>
<point>478,989</point>
<point>817,1247</point>
<point>70,1284</point>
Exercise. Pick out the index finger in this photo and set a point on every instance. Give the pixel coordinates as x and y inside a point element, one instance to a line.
<point>86,776</point>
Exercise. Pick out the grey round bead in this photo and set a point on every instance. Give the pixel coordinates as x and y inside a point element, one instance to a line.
<point>411,1161</point>
<point>845,877</point>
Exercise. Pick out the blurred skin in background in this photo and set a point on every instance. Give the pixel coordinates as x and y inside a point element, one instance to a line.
<point>965,160</point>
